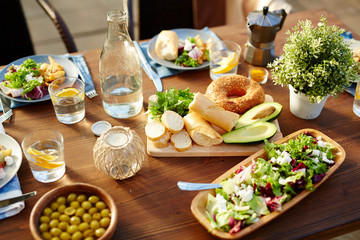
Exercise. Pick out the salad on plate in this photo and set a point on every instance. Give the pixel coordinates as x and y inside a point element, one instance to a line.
<point>30,80</point>
<point>192,52</point>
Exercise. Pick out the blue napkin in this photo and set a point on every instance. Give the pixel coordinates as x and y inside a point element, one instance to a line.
<point>351,89</point>
<point>11,189</point>
<point>80,63</point>
<point>161,70</point>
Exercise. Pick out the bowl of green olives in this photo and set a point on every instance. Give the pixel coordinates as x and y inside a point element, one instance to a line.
<point>75,211</point>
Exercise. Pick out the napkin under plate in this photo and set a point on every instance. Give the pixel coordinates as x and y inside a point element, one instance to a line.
<point>10,190</point>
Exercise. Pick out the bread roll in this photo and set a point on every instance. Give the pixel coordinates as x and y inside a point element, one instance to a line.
<point>181,141</point>
<point>213,113</point>
<point>201,131</point>
<point>166,45</point>
<point>172,121</point>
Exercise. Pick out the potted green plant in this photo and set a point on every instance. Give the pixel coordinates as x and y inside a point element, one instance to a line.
<point>316,63</point>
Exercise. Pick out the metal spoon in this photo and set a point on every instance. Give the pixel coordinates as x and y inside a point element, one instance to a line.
<point>188,186</point>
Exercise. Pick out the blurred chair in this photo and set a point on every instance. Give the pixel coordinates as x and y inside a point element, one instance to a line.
<point>60,25</point>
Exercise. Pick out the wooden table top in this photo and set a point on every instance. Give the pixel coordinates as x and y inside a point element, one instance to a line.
<point>150,204</point>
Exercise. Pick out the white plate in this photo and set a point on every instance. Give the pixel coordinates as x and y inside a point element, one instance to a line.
<point>353,43</point>
<point>69,67</point>
<point>182,33</point>
<point>16,154</point>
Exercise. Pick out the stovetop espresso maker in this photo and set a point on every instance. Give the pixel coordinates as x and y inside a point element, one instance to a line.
<point>262,27</point>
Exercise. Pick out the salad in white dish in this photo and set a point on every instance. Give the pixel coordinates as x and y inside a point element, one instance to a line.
<point>266,184</point>
<point>30,79</point>
<point>5,160</point>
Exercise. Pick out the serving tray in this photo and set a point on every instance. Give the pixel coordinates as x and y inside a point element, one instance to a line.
<point>198,204</point>
<point>214,151</point>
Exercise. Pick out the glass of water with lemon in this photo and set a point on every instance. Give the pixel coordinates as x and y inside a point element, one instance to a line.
<point>68,98</point>
<point>224,58</point>
<point>44,150</point>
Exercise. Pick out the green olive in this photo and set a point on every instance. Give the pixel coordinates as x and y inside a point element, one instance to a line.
<point>71,197</point>
<point>86,205</point>
<point>44,227</point>
<point>46,235</point>
<point>105,212</point>
<point>63,225</point>
<point>77,236</point>
<point>81,198</point>
<point>100,205</point>
<point>55,231</point>
<point>89,238</point>
<point>71,229</point>
<point>86,217</point>
<point>65,236</point>
<point>93,210</point>
<point>79,212</point>
<point>99,232</point>
<point>96,216</point>
<point>75,220</point>
<point>55,215</point>
<point>55,238</point>
<point>47,211</point>
<point>93,199</point>
<point>94,224</point>
<point>44,219</point>
<point>53,223</point>
<point>70,211</point>
<point>88,233</point>
<point>64,218</point>
<point>61,200</point>
<point>105,222</point>
<point>75,204</point>
<point>61,208</point>
<point>54,205</point>
<point>83,226</point>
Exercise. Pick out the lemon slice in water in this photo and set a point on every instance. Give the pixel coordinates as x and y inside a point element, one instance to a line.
<point>67,92</point>
<point>226,64</point>
<point>43,159</point>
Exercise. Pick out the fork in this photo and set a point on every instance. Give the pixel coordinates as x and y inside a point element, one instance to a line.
<point>91,93</point>
<point>6,115</point>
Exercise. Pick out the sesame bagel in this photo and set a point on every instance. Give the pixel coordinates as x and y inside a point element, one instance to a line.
<point>236,93</point>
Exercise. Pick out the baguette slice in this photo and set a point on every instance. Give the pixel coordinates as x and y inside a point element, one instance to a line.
<point>162,142</point>
<point>201,131</point>
<point>213,113</point>
<point>181,141</point>
<point>172,121</point>
<point>155,130</point>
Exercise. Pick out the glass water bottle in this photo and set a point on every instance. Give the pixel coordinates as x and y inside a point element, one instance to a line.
<point>120,70</point>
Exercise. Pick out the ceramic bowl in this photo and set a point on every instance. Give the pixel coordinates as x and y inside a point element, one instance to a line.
<point>78,188</point>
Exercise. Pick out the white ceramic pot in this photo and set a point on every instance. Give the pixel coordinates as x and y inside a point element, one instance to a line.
<point>301,107</point>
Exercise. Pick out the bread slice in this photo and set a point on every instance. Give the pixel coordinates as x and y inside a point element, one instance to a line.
<point>181,141</point>
<point>172,121</point>
<point>166,45</point>
<point>201,131</point>
<point>162,142</point>
<point>155,130</point>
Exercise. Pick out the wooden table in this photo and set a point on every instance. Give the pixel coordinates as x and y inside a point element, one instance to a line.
<point>150,204</point>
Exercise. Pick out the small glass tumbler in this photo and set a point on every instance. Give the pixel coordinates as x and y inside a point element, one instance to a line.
<point>68,98</point>
<point>119,153</point>
<point>44,150</point>
<point>224,58</point>
<point>258,74</point>
<point>356,105</point>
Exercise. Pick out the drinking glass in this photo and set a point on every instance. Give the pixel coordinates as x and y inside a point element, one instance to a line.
<point>224,58</point>
<point>356,105</point>
<point>44,150</point>
<point>68,98</point>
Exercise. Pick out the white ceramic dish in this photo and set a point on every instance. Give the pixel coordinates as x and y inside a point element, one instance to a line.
<point>16,154</point>
<point>69,67</point>
<point>182,33</point>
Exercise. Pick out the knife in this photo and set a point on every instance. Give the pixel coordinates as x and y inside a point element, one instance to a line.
<point>5,104</point>
<point>23,197</point>
<point>147,68</point>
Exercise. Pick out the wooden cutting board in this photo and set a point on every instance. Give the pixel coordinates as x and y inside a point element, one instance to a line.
<point>223,149</point>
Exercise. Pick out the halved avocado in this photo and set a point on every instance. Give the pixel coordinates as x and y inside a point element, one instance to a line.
<point>255,132</point>
<point>264,112</point>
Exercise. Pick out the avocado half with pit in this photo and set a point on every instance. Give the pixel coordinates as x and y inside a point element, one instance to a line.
<point>264,112</point>
<point>255,132</point>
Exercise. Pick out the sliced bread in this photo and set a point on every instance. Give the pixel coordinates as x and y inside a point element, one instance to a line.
<point>172,121</point>
<point>162,142</point>
<point>155,130</point>
<point>181,141</point>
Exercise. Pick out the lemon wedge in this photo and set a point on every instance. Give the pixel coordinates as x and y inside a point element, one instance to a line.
<point>67,92</point>
<point>226,64</point>
<point>44,160</point>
